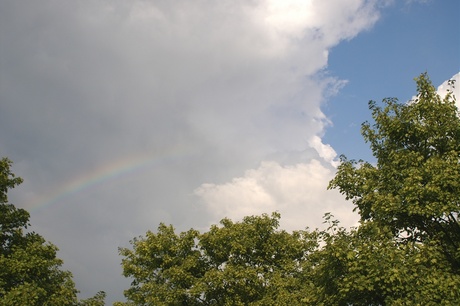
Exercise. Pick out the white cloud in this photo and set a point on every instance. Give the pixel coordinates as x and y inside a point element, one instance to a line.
<point>297,191</point>
<point>444,88</point>
<point>324,150</point>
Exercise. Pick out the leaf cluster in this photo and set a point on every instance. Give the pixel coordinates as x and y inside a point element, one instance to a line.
<point>237,263</point>
<point>414,188</point>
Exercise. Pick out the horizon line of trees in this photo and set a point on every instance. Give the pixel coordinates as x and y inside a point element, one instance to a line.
<point>405,251</point>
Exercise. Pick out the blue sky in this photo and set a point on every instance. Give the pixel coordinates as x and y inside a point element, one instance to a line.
<point>409,39</point>
<point>120,115</point>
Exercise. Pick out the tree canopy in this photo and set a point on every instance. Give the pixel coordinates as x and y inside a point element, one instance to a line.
<point>407,248</point>
<point>244,263</point>
<point>414,189</point>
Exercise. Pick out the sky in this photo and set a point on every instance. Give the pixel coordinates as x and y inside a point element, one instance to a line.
<point>120,115</point>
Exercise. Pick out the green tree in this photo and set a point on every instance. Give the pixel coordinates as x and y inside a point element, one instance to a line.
<point>407,248</point>
<point>415,186</point>
<point>30,272</point>
<point>368,266</point>
<point>238,263</point>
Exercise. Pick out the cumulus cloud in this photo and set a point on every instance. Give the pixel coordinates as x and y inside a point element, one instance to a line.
<point>297,191</point>
<point>444,88</point>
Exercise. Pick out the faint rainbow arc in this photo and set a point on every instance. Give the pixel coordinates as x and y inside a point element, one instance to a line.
<point>106,172</point>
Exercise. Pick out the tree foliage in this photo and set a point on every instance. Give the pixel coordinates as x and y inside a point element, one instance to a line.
<point>414,188</point>
<point>407,248</point>
<point>30,272</point>
<point>368,266</point>
<point>238,263</point>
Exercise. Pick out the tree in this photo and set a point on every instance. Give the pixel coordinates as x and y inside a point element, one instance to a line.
<point>30,272</point>
<point>407,248</point>
<point>415,186</point>
<point>243,263</point>
<point>368,266</point>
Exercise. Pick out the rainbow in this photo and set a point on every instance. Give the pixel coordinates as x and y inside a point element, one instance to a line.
<point>109,171</point>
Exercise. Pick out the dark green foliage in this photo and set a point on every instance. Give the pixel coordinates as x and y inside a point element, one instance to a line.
<point>367,266</point>
<point>243,263</point>
<point>408,245</point>
<point>415,186</point>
